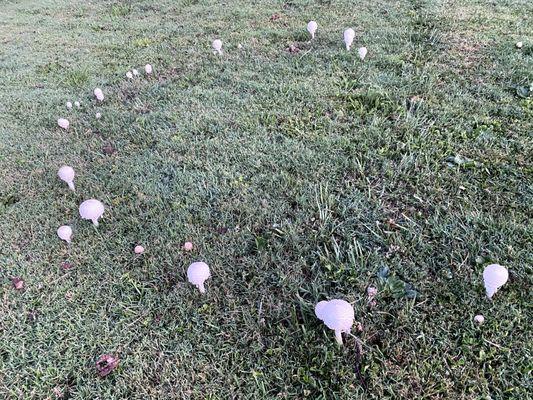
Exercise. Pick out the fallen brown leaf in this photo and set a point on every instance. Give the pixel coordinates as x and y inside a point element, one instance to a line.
<point>65,265</point>
<point>18,283</point>
<point>292,49</point>
<point>106,364</point>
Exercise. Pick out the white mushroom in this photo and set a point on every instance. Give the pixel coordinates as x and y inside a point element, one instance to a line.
<point>362,53</point>
<point>479,319</point>
<point>63,123</point>
<point>197,273</point>
<point>69,105</point>
<point>312,26</point>
<point>66,174</point>
<point>349,35</point>
<point>519,45</point>
<point>65,233</point>
<point>129,75</point>
<point>91,209</point>
<point>217,46</point>
<point>98,115</point>
<point>99,94</point>
<point>148,69</point>
<point>494,277</point>
<point>337,315</point>
<point>77,104</point>
<point>135,72</point>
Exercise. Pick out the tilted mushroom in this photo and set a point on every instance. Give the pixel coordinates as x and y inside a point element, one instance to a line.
<point>312,26</point>
<point>91,209</point>
<point>349,35</point>
<point>217,46</point>
<point>65,233</point>
<point>99,94</point>
<point>63,123</point>
<point>197,273</point>
<point>66,174</point>
<point>337,315</point>
<point>494,277</point>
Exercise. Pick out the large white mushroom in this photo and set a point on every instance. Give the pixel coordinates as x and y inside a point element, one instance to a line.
<point>66,174</point>
<point>337,315</point>
<point>217,46</point>
<point>197,273</point>
<point>63,123</point>
<point>349,35</point>
<point>65,233</point>
<point>494,277</point>
<point>91,209</point>
<point>99,94</point>
<point>312,26</point>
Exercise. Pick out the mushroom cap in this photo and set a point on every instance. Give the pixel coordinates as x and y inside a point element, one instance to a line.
<point>362,52</point>
<point>217,44</point>
<point>69,104</point>
<point>336,314</point>
<point>64,232</point>
<point>479,319</point>
<point>148,68</point>
<point>129,74</point>
<point>138,249</point>
<point>91,209</point>
<point>66,173</point>
<point>495,275</point>
<point>135,72</point>
<point>198,272</point>
<point>349,34</point>
<point>312,26</point>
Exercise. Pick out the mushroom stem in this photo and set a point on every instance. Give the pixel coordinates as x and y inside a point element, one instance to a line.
<point>338,336</point>
<point>491,291</point>
<point>201,287</point>
<point>95,222</point>
<point>71,186</point>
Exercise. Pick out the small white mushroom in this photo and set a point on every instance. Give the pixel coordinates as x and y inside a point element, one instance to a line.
<point>63,123</point>
<point>91,209</point>
<point>197,273</point>
<point>65,233</point>
<point>362,53</point>
<point>148,69</point>
<point>349,35</point>
<point>135,72</point>
<point>66,174</point>
<point>312,26</point>
<point>494,277</point>
<point>98,115</point>
<point>129,75</point>
<point>217,46</point>
<point>69,105</point>
<point>337,315</point>
<point>99,94</point>
<point>77,104</point>
<point>239,46</point>
<point>479,319</point>
<point>519,45</point>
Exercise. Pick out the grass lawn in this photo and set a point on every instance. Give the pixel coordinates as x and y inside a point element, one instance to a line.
<point>300,175</point>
